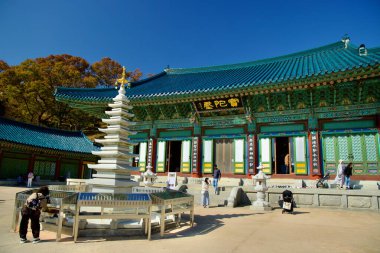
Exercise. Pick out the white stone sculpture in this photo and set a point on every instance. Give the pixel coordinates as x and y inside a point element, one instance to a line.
<point>113,169</point>
<point>149,177</point>
<point>261,187</point>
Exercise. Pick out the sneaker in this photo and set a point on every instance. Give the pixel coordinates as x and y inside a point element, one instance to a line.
<point>23,240</point>
<point>36,240</point>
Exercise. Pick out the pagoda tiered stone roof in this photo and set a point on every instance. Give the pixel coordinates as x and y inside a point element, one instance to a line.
<point>331,62</point>
<point>14,132</point>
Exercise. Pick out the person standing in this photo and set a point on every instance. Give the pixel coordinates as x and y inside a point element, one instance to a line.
<point>339,179</point>
<point>216,177</point>
<point>30,179</point>
<point>205,194</point>
<point>36,202</point>
<point>287,163</point>
<point>347,175</point>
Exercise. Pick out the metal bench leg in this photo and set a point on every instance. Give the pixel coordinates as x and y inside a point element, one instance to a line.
<point>60,221</point>
<point>162,221</point>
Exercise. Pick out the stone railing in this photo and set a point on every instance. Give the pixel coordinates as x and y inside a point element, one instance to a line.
<point>76,181</point>
<point>328,198</point>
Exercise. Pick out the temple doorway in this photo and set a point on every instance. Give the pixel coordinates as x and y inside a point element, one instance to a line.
<point>136,151</point>
<point>224,154</point>
<point>174,156</point>
<point>281,151</point>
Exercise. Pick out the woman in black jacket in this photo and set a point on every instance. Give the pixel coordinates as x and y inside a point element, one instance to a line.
<point>347,174</point>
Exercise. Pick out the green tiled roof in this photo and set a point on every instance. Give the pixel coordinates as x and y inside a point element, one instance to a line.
<point>26,134</point>
<point>318,62</point>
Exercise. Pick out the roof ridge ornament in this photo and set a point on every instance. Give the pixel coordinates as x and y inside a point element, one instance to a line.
<point>362,50</point>
<point>346,40</point>
<point>122,81</point>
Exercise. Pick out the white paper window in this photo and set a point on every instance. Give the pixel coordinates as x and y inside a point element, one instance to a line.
<point>185,151</point>
<point>142,152</point>
<point>300,149</point>
<point>239,151</point>
<point>161,151</point>
<point>265,150</point>
<point>208,151</point>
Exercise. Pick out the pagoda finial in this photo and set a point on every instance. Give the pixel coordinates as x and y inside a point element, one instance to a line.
<point>122,81</point>
<point>346,40</point>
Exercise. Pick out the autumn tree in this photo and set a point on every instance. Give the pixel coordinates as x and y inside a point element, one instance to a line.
<point>3,66</point>
<point>107,71</point>
<point>30,86</point>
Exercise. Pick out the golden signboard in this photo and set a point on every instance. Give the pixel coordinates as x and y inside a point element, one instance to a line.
<point>219,104</point>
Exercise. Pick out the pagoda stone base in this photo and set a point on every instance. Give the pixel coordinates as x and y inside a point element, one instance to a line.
<point>261,206</point>
<point>119,187</point>
<point>146,189</point>
<point>113,182</point>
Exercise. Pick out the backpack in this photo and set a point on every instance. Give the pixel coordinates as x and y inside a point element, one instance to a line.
<point>344,170</point>
<point>34,204</point>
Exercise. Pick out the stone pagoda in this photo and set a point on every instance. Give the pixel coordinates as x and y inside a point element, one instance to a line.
<point>113,169</point>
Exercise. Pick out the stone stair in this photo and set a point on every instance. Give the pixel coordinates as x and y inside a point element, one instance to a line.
<point>218,199</point>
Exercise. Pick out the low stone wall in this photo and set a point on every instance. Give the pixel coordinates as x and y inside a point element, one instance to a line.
<point>328,198</point>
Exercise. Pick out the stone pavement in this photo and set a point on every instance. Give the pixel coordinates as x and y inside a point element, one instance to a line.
<point>222,229</point>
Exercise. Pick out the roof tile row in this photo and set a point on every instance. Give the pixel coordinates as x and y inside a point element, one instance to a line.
<point>311,63</point>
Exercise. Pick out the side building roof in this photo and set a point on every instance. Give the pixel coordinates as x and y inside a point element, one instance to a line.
<point>176,83</point>
<point>41,137</point>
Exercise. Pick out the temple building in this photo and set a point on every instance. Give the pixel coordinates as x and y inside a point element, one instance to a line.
<point>297,115</point>
<point>51,154</point>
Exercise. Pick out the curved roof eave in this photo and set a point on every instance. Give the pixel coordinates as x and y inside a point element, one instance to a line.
<point>173,84</point>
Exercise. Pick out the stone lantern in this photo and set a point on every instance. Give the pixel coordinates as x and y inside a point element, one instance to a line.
<point>260,183</point>
<point>149,177</point>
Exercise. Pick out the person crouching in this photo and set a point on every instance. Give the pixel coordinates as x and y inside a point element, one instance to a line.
<point>36,202</point>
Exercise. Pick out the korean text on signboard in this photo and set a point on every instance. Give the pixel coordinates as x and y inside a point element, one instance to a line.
<point>251,153</point>
<point>314,153</point>
<point>195,154</point>
<point>219,104</point>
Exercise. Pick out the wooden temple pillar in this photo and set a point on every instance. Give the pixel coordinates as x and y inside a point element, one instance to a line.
<point>32,159</point>
<point>1,157</point>
<point>57,167</point>
<point>80,168</point>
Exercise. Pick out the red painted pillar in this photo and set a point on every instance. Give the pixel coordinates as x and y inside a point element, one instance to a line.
<point>1,158</point>
<point>80,168</point>
<point>57,167</point>
<point>32,159</point>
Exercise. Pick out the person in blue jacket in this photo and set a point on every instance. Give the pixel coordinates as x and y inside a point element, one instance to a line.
<point>216,177</point>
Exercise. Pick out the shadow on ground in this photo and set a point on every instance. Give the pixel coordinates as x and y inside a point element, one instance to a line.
<point>204,224</point>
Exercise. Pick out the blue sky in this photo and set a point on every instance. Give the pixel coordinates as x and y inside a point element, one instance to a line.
<point>150,34</point>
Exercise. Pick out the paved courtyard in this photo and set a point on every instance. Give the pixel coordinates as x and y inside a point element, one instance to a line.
<point>222,229</point>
